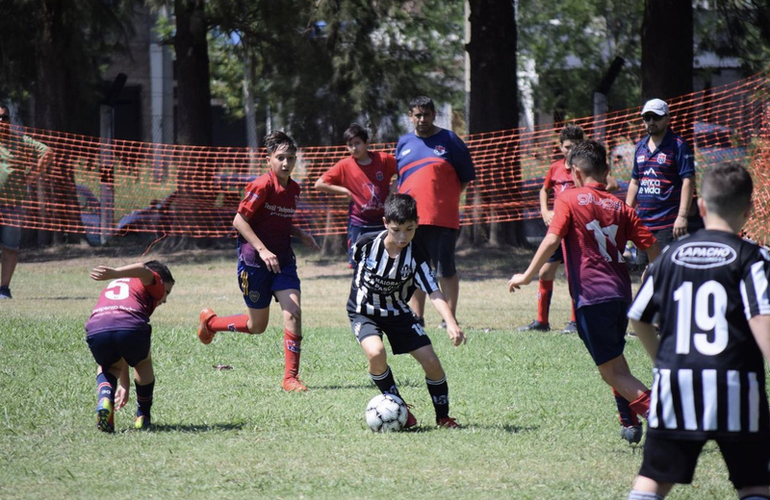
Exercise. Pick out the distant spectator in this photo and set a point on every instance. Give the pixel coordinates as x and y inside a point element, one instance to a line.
<point>663,176</point>
<point>16,173</point>
<point>434,167</point>
<point>364,178</point>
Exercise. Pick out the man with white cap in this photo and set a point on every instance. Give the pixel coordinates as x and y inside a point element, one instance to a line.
<point>663,176</point>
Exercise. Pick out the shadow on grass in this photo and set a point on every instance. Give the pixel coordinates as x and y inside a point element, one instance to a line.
<point>510,429</point>
<point>197,427</point>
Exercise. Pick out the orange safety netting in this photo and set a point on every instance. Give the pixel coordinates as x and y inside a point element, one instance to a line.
<point>107,189</point>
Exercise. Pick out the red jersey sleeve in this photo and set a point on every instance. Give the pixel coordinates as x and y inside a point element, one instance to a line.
<point>638,233</point>
<point>562,216</point>
<point>548,184</point>
<point>257,192</point>
<point>334,176</point>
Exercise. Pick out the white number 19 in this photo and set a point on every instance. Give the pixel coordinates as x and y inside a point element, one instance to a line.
<point>709,310</point>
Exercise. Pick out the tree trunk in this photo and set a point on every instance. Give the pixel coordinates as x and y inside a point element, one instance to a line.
<point>195,203</point>
<point>667,48</point>
<point>667,56</point>
<point>194,122</point>
<point>50,91</point>
<point>494,100</point>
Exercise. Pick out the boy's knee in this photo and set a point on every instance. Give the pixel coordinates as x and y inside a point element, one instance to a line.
<point>256,327</point>
<point>293,314</point>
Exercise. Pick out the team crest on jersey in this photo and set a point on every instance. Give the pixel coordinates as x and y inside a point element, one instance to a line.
<point>439,150</point>
<point>379,175</point>
<point>661,158</point>
<point>703,255</point>
<point>254,296</point>
<point>406,270</point>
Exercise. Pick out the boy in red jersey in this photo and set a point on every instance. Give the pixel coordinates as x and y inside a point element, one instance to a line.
<point>364,178</point>
<point>119,334</point>
<point>267,266</point>
<point>595,227</point>
<point>558,179</point>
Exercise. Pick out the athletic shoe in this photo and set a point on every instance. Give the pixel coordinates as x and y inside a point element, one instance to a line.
<point>105,419</point>
<point>293,384</point>
<point>142,422</point>
<point>5,293</point>
<point>204,334</point>
<point>447,423</point>
<point>535,326</point>
<point>442,325</point>
<point>631,433</point>
<point>571,327</point>
<point>411,420</point>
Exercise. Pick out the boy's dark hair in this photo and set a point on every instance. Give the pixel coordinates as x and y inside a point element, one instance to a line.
<point>161,269</point>
<point>726,188</point>
<point>571,132</point>
<point>353,131</point>
<point>589,157</point>
<point>422,102</point>
<point>400,208</point>
<point>278,140</point>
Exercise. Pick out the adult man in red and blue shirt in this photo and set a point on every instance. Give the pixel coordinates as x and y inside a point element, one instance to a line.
<point>434,167</point>
<point>663,177</point>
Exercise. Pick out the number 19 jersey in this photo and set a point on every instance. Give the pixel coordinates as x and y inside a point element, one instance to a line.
<point>709,376</point>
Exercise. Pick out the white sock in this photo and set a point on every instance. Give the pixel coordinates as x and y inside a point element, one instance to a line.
<point>643,495</point>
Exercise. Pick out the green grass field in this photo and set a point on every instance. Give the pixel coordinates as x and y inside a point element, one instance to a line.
<point>539,422</point>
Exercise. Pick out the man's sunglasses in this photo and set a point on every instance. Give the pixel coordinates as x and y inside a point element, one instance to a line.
<point>649,117</point>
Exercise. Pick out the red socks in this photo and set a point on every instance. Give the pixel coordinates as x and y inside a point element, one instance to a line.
<point>291,349</point>
<point>641,405</point>
<point>235,323</point>
<point>544,293</point>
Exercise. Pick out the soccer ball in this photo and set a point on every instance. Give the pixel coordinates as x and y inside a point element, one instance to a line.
<point>386,412</point>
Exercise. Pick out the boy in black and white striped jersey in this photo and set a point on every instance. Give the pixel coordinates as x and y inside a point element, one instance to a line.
<point>388,269</point>
<point>711,291</point>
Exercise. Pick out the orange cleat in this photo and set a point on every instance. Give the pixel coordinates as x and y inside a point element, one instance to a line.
<point>293,384</point>
<point>204,334</point>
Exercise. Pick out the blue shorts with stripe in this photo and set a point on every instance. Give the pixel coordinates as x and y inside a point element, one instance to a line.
<point>258,285</point>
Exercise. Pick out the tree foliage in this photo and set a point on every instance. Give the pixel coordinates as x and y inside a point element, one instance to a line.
<point>736,29</point>
<point>320,65</point>
<point>572,44</point>
<point>55,51</point>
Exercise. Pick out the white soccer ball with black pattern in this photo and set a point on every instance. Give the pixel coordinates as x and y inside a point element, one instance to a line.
<point>385,413</point>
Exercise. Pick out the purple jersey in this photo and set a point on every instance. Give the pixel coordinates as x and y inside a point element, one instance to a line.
<point>125,304</point>
<point>660,175</point>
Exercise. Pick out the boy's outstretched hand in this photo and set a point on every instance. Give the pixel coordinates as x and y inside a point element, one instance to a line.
<point>517,281</point>
<point>456,334</point>
<point>102,273</point>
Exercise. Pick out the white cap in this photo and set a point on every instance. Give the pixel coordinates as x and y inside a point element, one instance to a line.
<point>656,106</point>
